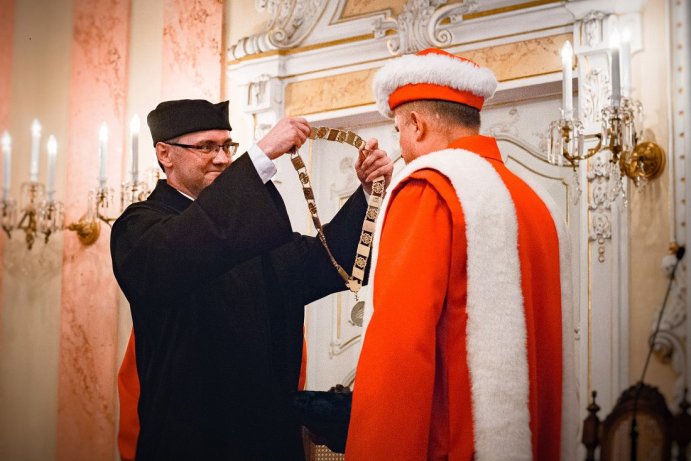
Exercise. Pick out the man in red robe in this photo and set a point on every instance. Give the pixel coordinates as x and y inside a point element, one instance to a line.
<point>468,354</point>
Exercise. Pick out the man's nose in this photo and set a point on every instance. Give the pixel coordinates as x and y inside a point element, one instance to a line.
<point>221,157</point>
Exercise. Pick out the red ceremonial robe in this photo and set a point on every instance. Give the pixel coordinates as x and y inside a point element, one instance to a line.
<point>463,355</point>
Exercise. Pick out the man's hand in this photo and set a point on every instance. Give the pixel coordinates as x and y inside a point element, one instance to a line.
<point>372,163</point>
<point>288,132</point>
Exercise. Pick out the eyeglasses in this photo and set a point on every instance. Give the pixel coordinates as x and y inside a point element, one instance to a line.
<point>209,149</point>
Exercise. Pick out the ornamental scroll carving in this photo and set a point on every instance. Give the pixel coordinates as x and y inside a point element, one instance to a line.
<point>419,26</point>
<point>669,343</point>
<point>291,21</point>
<point>599,205</point>
<point>592,29</point>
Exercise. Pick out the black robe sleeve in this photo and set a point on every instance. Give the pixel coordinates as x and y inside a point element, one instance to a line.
<point>159,253</point>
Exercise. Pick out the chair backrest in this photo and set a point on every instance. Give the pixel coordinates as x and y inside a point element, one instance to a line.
<point>653,434</point>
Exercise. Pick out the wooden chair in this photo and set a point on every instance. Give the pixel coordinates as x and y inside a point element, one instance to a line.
<point>655,431</point>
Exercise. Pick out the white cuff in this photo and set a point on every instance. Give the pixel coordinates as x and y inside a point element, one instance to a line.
<point>262,163</point>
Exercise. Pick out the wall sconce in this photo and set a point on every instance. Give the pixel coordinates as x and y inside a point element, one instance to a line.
<point>100,200</point>
<point>41,214</point>
<point>621,128</point>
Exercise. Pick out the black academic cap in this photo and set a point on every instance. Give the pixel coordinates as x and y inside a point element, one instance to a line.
<point>171,119</point>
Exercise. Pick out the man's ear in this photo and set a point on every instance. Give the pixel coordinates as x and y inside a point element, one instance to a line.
<point>419,124</point>
<point>163,155</point>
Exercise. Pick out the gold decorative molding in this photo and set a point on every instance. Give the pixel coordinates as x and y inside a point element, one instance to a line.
<point>510,61</point>
<point>507,9</point>
<point>358,8</point>
<point>329,93</point>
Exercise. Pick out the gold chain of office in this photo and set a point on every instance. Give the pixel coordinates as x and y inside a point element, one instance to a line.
<point>353,282</point>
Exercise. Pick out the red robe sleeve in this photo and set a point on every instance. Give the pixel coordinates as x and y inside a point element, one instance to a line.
<point>398,356</point>
<point>128,393</point>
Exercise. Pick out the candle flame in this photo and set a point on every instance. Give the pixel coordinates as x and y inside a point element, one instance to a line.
<point>134,124</point>
<point>52,145</point>
<point>103,132</point>
<point>6,141</point>
<point>36,128</point>
<point>567,53</point>
<point>614,39</point>
<point>626,35</point>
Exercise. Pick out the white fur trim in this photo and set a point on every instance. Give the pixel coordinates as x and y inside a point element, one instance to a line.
<point>496,331</point>
<point>431,68</point>
<point>570,403</point>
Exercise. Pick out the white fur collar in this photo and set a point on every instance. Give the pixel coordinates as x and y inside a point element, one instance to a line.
<point>496,332</point>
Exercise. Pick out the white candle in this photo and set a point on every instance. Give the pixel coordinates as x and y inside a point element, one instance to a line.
<point>614,74</point>
<point>134,133</point>
<point>35,145</point>
<point>52,147</point>
<point>567,77</point>
<point>103,154</point>
<point>6,164</point>
<point>625,63</point>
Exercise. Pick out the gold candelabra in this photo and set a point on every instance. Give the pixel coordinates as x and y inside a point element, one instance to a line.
<point>99,204</point>
<point>39,215</point>
<point>620,135</point>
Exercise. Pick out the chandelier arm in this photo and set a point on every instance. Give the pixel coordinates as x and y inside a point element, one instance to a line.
<point>577,158</point>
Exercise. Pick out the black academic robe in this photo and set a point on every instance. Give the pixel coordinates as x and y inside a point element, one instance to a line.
<point>217,288</point>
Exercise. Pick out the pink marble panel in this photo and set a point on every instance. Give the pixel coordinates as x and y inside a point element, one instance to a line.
<point>192,49</point>
<point>6,45</point>
<point>89,304</point>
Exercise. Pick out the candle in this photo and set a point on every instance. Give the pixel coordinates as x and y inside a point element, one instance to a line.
<point>6,164</point>
<point>567,77</point>
<point>625,63</point>
<point>614,74</point>
<point>36,142</point>
<point>134,133</point>
<point>52,147</point>
<point>103,154</point>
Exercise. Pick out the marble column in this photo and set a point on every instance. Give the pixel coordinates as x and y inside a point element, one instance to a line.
<point>89,304</point>
<point>192,49</point>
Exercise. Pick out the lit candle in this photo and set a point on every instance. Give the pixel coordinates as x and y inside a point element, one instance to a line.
<point>625,63</point>
<point>567,90</point>
<point>6,164</point>
<point>614,74</point>
<point>36,142</point>
<point>103,154</point>
<point>134,133</point>
<point>52,154</point>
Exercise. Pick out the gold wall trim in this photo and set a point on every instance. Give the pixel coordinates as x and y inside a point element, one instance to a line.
<point>511,61</point>
<point>352,10</point>
<point>506,9</point>
<point>301,49</point>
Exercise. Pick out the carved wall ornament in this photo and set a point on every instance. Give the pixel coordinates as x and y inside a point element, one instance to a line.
<point>291,22</point>
<point>509,126</point>
<point>596,90</point>
<point>669,345</point>
<point>599,205</point>
<point>419,26</point>
<point>591,28</point>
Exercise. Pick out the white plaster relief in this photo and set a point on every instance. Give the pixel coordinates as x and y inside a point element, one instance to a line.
<point>419,26</point>
<point>596,89</point>
<point>591,28</point>
<point>599,205</point>
<point>669,342</point>
<point>291,22</point>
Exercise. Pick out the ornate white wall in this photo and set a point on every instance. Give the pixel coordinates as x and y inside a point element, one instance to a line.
<point>320,65</point>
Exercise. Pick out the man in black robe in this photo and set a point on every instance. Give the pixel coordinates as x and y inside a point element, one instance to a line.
<point>217,283</point>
